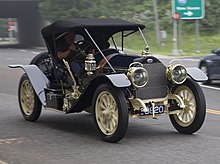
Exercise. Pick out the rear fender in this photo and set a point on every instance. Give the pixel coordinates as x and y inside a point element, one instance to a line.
<point>38,80</point>
<point>196,74</point>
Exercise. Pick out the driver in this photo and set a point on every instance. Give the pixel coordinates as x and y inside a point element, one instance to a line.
<point>67,49</point>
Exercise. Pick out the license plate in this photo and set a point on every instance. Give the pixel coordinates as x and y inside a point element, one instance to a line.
<point>158,109</point>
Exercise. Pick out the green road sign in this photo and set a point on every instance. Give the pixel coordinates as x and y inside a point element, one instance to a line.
<point>188,9</point>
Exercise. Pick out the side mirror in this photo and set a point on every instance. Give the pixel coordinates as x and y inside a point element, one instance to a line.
<point>216,51</point>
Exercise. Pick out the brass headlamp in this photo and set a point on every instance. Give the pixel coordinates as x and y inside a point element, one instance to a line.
<point>137,74</point>
<point>176,73</point>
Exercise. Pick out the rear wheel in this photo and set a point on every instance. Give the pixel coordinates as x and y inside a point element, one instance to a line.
<point>193,115</point>
<point>37,60</point>
<point>110,113</point>
<point>29,103</point>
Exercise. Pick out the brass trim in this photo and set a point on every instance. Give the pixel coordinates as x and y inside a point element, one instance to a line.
<point>139,104</point>
<point>55,110</point>
<point>131,70</point>
<point>170,69</point>
<point>76,92</point>
<point>146,116</point>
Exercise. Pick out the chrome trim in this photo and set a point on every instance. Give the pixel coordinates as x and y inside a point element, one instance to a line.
<point>143,36</point>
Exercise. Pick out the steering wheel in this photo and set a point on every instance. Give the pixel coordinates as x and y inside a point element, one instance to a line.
<point>84,45</point>
<point>84,48</point>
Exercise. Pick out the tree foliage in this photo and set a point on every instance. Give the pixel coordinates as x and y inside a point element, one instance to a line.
<point>134,10</point>
<point>212,13</point>
<point>3,27</point>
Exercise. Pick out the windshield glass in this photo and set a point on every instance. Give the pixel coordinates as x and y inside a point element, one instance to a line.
<point>128,41</point>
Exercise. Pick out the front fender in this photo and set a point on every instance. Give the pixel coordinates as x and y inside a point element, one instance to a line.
<point>196,74</point>
<point>119,80</point>
<point>85,100</point>
<point>38,80</point>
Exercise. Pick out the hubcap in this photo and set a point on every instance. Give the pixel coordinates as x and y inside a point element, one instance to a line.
<point>106,112</point>
<point>186,117</point>
<point>27,97</point>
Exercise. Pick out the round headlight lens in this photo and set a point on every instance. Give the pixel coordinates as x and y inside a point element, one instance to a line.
<point>179,74</point>
<point>139,77</point>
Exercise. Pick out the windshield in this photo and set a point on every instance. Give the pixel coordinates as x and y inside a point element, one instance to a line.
<point>128,41</point>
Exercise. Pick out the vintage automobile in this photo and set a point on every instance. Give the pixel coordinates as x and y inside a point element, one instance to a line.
<point>210,65</point>
<point>113,85</point>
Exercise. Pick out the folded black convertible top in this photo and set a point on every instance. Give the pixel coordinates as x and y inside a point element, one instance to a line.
<point>101,29</point>
<point>109,25</point>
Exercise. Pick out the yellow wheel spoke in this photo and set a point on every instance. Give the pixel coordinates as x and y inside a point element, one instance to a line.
<point>186,117</point>
<point>106,113</point>
<point>27,97</point>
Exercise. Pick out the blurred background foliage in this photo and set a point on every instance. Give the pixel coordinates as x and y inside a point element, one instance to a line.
<point>140,11</point>
<point>3,27</point>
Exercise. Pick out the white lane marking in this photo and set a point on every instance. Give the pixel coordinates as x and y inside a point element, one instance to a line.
<point>23,50</point>
<point>190,59</point>
<point>33,52</point>
<point>9,58</point>
<point>9,141</point>
<point>210,87</point>
<point>179,58</point>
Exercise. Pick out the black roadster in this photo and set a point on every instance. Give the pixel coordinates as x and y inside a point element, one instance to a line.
<point>112,85</point>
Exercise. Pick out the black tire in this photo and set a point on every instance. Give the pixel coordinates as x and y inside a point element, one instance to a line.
<point>205,69</point>
<point>195,108</point>
<point>111,124</point>
<point>43,62</point>
<point>29,102</point>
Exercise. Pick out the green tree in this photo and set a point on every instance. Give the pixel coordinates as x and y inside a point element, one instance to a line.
<point>64,9</point>
<point>3,28</point>
<point>211,22</point>
<point>140,11</point>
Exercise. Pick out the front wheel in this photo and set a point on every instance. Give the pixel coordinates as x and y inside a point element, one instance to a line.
<point>110,113</point>
<point>193,115</point>
<point>29,103</point>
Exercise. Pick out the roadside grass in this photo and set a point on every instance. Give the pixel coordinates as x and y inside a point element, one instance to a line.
<point>207,42</point>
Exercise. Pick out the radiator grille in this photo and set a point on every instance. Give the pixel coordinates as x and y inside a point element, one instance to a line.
<point>157,84</point>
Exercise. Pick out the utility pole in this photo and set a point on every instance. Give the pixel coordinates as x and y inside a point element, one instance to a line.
<point>180,48</point>
<point>157,25</point>
<point>175,50</point>
<point>197,36</point>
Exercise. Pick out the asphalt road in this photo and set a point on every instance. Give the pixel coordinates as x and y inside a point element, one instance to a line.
<point>57,138</point>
